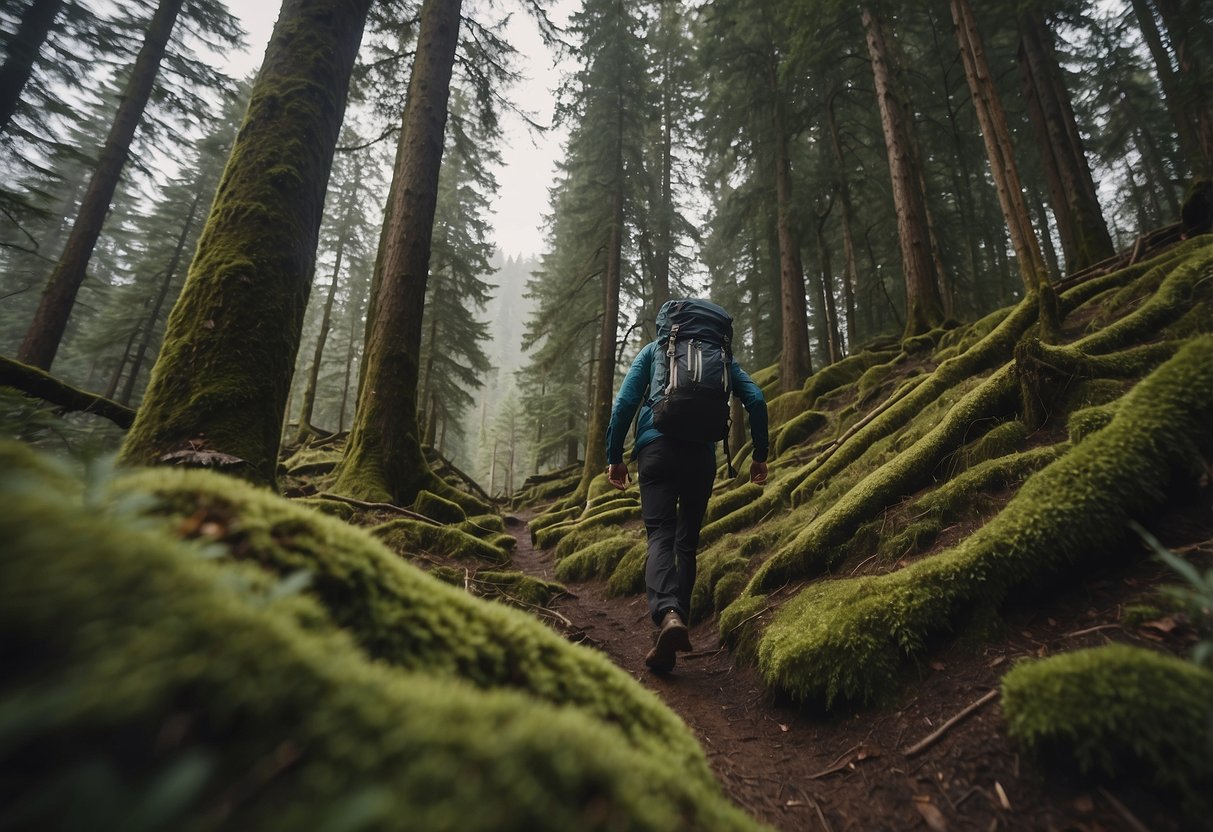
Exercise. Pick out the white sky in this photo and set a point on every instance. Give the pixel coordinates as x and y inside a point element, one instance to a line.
<point>528,161</point>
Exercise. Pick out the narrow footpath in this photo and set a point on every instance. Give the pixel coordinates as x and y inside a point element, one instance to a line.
<point>799,770</point>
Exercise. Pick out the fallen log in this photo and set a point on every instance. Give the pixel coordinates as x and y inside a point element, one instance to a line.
<point>42,385</point>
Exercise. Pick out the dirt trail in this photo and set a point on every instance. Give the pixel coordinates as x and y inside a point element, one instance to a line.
<point>797,770</point>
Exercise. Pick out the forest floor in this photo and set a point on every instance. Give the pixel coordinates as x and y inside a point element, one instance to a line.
<point>799,770</point>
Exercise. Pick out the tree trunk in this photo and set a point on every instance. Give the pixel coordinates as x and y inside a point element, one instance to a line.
<point>426,396</point>
<point>50,320</point>
<point>224,373</point>
<point>355,317</point>
<point>1181,117</point>
<point>825,290</point>
<point>604,366</point>
<point>924,309</point>
<point>850,280</point>
<point>326,319</point>
<point>795,365</point>
<point>1192,39</point>
<point>384,461</point>
<point>997,136</point>
<point>1080,223</point>
<point>170,274</point>
<point>23,51</point>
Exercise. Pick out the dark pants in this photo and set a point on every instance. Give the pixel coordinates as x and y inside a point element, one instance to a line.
<point>675,483</point>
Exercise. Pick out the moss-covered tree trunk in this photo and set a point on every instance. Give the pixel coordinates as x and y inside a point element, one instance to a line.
<point>1080,223</point>
<point>223,376</point>
<point>50,320</point>
<point>383,459</point>
<point>22,51</point>
<point>924,308</point>
<point>795,365</point>
<point>850,281</point>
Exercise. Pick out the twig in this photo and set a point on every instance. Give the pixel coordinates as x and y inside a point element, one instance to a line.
<point>841,764</point>
<point>861,565</point>
<point>1090,630</point>
<point>379,507</point>
<point>1123,810</point>
<point>751,618</point>
<point>932,738</point>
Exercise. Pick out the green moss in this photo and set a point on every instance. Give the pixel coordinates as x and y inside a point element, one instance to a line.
<point>845,372</point>
<point>872,378</point>
<point>784,407</point>
<point>728,589</point>
<point>725,503</point>
<point>138,665</point>
<point>611,502</point>
<point>741,621</point>
<point>816,548</point>
<point>415,537</point>
<point>1094,392</point>
<point>798,429</point>
<point>598,560</point>
<point>437,508</point>
<point>1134,615</point>
<point>747,515</point>
<point>334,508</point>
<point>1083,423</point>
<point>849,637</point>
<point>628,576</point>
<point>307,461</point>
<point>1000,440</point>
<point>516,588</point>
<point>581,536</point>
<point>711,569</point>
<point>551,518</point>
<point>395,611</point>
<point>1116,710</point>
<point>484,526</point>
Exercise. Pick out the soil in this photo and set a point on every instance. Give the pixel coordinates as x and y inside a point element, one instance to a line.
<point>796,769</point>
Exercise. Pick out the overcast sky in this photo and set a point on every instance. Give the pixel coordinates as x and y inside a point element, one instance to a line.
<point>528,161</point>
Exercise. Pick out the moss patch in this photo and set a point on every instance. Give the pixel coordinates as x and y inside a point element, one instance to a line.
<point>144,664</point>
<point>1116,710</point>
<point>849,637</point>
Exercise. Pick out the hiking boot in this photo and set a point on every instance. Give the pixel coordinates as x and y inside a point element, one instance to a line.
<point>671,638</point>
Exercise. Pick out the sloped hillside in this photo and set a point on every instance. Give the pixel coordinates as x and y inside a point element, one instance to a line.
<point>917,487</point>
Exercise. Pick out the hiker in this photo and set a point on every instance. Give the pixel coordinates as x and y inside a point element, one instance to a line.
<point>681,382</point>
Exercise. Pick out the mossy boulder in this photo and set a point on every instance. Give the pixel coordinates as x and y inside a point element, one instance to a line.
<point>176,684</point>
<point>1118,711</point>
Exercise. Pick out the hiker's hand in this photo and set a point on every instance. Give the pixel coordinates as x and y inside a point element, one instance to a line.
<point>617,475</point>
<point>758,473</point>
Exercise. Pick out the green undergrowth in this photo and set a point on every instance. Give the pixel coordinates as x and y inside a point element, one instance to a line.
<point>285,671</point>
<point>848,638</point>
<point>512,587</point>
<point>417,538</point>
<point>1117,711</point>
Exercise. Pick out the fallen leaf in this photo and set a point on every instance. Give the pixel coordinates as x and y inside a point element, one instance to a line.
<point>784,728</point>
<point>795,803</point>
<point>1026,633</point>
<point>1164,625</point>
<point>931,814</point>
<point>938,666</point>
<point>208,324</point>
<point>1002,796</point>
<point>998,661</point>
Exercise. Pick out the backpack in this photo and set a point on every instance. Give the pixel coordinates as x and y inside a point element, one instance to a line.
<point>691,386</point>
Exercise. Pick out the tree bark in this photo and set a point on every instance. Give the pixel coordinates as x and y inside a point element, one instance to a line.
<point>924,309</point>
<point>50,320</point>
<point>383,459</point>
<point>326,319</point>
<point>1192,40</point>
<point>850,280</point>
<point>604,366</point>
<point>23,50</point>
<point>1181,117</point>
<point>795,365</point>
<point>1080,223</point>
<point>224,373</point>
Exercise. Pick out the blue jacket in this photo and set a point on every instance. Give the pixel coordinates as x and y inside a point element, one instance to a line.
<point>632,391</point>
